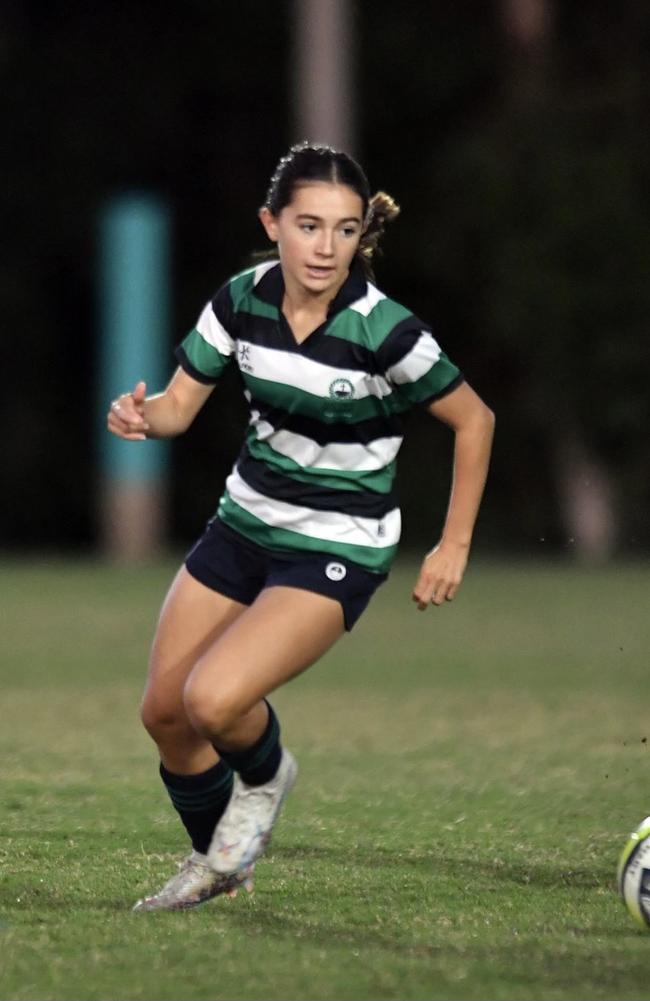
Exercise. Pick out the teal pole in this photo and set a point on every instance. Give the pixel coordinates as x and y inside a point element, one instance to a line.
<point>135,306</point>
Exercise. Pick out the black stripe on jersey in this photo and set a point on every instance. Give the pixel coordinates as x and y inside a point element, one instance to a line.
<point>222,307</point>
<point>454,384</point>
<point>276,486</point>
<point>341,353</point>
<point>400,341</point>
<point>320,346</point>
<point>270,288</point>
<point>327,434</point>
<point>188,367</point>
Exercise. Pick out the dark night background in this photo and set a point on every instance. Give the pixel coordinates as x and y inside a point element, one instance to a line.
<point>522,170</point>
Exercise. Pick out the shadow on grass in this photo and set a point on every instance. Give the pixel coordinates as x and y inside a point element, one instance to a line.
<point>545,876</point>
<point>41,904</point>
<point>561,959</point>
<point>535,967</point>
<point>376,859</point>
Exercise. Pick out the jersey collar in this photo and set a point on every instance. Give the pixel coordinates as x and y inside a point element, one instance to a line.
<point>270,288</point>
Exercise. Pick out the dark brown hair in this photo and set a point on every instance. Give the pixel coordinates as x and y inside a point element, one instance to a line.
<point>305,162</point>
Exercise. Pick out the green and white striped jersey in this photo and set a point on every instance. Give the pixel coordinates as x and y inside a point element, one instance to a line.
<point>317,466</point>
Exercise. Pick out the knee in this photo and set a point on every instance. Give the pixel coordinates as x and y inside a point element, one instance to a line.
<point>162,720</point>
<point>210,711</point>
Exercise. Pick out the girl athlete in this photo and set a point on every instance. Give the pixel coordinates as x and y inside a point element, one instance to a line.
<point>307,526</point>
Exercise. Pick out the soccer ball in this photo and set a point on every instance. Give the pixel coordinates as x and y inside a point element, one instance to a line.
<point>634,874</point>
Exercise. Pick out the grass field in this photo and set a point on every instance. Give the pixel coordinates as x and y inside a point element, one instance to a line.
<point>468,778</point>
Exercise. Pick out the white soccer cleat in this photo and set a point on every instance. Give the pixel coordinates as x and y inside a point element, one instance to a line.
<point>195,882</point>
<point>245,828</point>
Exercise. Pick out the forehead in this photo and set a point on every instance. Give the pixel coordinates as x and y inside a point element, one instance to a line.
<point>326,199</point>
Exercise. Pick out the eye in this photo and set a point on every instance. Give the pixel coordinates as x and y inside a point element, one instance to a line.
<point>308,227</point>
<point>349,231</point>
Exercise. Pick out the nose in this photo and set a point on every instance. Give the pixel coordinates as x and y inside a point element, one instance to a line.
<point>325,246</point>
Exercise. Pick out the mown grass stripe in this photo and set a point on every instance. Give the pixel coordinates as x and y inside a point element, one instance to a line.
<point>468,777</point>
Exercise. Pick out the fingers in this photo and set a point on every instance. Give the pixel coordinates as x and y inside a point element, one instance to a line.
<point>139,392</point>
<point>435,586</point>
<point>126,415</point>
<point>434,593</point>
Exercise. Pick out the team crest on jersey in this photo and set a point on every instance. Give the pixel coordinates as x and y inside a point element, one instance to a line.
<point>341,389</point>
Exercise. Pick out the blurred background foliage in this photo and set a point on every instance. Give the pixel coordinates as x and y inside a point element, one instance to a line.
<point>519,152</point>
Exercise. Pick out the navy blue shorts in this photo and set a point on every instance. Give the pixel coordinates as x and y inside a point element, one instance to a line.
<point>226,562</point>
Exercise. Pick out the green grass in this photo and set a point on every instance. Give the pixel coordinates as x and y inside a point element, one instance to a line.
<point>468,778</point>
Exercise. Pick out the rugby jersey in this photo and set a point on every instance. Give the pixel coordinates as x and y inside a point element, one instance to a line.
<point>318,462</point>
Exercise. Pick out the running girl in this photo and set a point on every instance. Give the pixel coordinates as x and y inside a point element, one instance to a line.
<point>307,526</point>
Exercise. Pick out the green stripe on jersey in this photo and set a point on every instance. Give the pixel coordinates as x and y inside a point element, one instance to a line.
<point>378,480</point>
<point>203,356</point>
<point>431,383</point>
<point>372,330</point>
<point>376,560</point>
<point>241,285</point>
<point>324,409</point>
<point>243,300</point>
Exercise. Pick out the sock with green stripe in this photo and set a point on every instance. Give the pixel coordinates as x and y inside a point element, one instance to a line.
<point>259,763</point>
<point>200,800</point>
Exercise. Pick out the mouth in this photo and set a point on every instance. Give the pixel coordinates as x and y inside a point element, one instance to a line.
<point>319,270</point>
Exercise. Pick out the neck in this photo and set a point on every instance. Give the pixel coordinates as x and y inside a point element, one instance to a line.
<point>298,299</point>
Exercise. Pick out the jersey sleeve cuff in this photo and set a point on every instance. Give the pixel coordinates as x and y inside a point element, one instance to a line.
<point>449,388</point>
<point>187,366</point>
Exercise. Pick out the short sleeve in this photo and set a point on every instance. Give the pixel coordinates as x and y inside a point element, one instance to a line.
<point>415,366</point>
<point>208,348</point>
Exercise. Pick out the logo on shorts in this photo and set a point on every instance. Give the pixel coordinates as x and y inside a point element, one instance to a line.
<point>335,571</point>
<point>341,389</point>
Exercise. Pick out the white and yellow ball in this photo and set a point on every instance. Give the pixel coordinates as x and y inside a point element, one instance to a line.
<point>634,874</point>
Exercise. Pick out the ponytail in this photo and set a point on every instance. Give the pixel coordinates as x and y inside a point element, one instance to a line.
<point>381,209</point>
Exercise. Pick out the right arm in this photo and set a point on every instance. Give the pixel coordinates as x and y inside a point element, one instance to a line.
<point>136,416</point>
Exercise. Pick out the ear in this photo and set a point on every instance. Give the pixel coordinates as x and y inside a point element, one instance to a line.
<point>270,223</point>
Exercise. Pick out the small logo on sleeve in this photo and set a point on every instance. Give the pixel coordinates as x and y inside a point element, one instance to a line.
<point>335,571</point>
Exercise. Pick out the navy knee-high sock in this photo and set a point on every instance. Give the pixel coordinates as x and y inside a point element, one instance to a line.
<point>200,800</point>
<point>259,763</point>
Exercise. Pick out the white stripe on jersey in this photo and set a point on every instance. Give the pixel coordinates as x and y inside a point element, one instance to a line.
<point>261,270</point>
<point>420,359</point>
<point>367,303</point>
<point>300,372</point>
<point>336,455</point>
<point>331,526</point>
<point>214,332</point>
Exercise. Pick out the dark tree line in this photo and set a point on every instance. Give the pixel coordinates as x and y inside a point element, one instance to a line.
<point>521,163</point>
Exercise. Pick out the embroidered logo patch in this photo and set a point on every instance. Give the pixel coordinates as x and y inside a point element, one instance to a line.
<point>341,389</point>
<point>335,571</point>
<point>244,358</point>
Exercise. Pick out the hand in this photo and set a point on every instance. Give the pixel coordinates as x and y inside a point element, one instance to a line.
<point>126,415</point>
<point>441,574</point>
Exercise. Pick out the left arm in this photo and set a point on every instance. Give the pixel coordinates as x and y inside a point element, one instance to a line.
<point>473,425</point>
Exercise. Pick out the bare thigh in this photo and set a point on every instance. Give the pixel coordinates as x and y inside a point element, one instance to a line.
<point>282,633</point>
<point>192,619</point>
